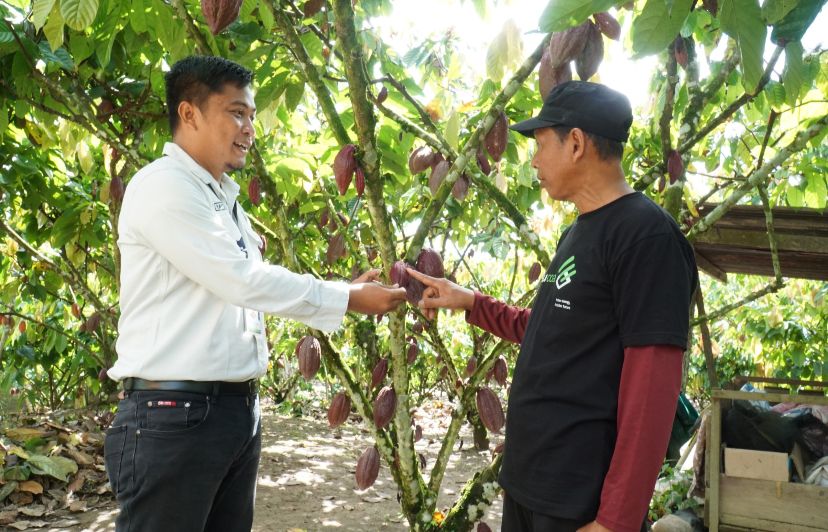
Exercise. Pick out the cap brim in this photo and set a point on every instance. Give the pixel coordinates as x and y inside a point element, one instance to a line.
<point>527,127</point>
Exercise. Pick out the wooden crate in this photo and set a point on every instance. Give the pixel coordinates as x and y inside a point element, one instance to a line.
<point>743,504</point>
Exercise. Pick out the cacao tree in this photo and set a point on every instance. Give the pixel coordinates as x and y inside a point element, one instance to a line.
<point>357,164</point>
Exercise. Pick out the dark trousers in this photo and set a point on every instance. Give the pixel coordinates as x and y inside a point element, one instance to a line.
<point>181,462</point>
<point>518,518</point>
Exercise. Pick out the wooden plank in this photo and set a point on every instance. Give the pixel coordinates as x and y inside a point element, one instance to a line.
<point>786,503</point>
<point>709,268</point>
<point>774,380</point>
<point>768,396</point>
<point>714,469</point>
<point>758,261</point>
<point>739,237</point>
<point>741,523</point>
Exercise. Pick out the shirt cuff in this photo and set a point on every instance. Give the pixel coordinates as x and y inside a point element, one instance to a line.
<point>329,316</point>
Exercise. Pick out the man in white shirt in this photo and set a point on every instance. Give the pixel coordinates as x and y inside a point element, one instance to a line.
<point>183,450</point>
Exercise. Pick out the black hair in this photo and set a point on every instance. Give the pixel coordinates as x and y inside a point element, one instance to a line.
<point>194,78</point>
<point>607,149</point>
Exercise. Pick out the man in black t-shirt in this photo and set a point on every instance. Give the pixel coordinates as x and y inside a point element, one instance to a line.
<point>599,370</point>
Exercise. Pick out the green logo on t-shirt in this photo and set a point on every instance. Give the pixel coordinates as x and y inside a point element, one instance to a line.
<point>565,274</point>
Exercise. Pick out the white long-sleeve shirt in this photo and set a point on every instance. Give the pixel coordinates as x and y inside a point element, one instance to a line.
<point>193,284</point>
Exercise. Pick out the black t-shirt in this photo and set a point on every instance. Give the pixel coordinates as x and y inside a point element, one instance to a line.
<point>623,275</point>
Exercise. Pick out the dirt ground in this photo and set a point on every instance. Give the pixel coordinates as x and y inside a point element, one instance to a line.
<point>306,478</point>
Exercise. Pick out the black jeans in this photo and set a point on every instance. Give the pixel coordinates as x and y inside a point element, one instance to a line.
<point>518,518</point>
<point>180,461</point>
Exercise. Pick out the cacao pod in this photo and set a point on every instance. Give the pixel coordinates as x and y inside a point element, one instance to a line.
<point>379,372</point>
<point>359,181</point>
<point>21,326</point>
<point>220,13</point>
<point>675,166</point>
<point>421,159</point>
<point>399,274</point>
<point>483,161</point>
<point>105,108</point>
<point>254,191</point>
<point>565,46</point>
<point>310,357</point>
<point>367,468</point>
<point>483,527</point>
<point>418,327</point>
<point>586,64</point>
<point>608,25</point>
<point>680,51</point>
<point>501,372</point>
<point>498,448</point>
<point>550,76</point>
<point>384,406</point>
<point>371,253</point>
<point>116,190</point>
<point>490,409</point>
<point>76,310</point>
<point>438,174</point>
<point>423,462</point>
<point>418,433</point>
<point>471,365</point>
<point>413,350</point>
<point>336,248</point>
<point>103,374</point>
<point>311,7</point>
<point>430,263</point>
<point>414,291</point>
<point>93,322</point>
<point>344,166</point>
<point>324,218</point>
<point>461,188</point>
<point>383,94</point>
<point>534,272</point>
<point>339,409</point>
<point>497,137</point>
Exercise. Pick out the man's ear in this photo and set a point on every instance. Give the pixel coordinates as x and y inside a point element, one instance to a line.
<point>187,115</point>
<point>578,142</point>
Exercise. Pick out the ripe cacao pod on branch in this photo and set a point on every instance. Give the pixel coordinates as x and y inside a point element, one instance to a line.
<point>564,46</point>
<point>344,166</point>
<point>608,25</point>
<point>586,64</point>
<point>497,137</point>
<point>220,13</point>
<point>339,409</point>
<point>310,357</point>
<point>367,468</point>
<point>384,406</point>
<point>490,409</point>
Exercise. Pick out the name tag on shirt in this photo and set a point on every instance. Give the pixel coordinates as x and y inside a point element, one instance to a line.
<point>219,206</point>
<point>253,321</point>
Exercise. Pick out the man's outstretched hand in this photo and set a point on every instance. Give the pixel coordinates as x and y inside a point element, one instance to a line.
<point>441,293</point>
<point>367,296</point>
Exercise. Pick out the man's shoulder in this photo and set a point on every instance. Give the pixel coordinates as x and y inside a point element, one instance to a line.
<point>164,173</point>
<point>643,215</point>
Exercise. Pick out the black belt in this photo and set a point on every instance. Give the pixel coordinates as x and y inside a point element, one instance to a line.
<point>205,387</point>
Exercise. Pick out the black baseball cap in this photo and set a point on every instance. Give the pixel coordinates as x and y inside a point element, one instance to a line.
<point>593,107</point>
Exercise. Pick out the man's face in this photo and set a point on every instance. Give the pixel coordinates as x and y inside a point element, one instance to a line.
<point>226,129</point>
<point>551,162</point>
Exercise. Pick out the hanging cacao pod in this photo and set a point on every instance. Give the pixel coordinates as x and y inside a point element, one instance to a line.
<point>384,406</point>
<point>483,161</point>
<point>608,25</point>
<point>116,190</point>
<point>379,372</point>
<point>430,263</point>
<point>254,191</point>
<point>339,410</point>
<point>421,159</point>
<point>399,274</point>
<point>675,166</point>
<point>418,433</point>
<point>461,188</point>
<point>383,94</point>
<point>220,13</point>
<point>438,174</point>
<point>311,7</point>
<point>76,310</point>
<point>680,52</point>
<point>564,46</point>
<point>310,357</point>
<point>534,272</point>
<point>712,6</point>
<point>336,248</point>
<point>497,137</point>
<point>471,365</point>
<point>367,468</point>
<point>483,527</point>
<point>359,181</point>
<point>586,64</point>
<point>413,350</point>
<point>501,372</point>
<point>344,166</point>
<point>550,76</point>
<point>490,409</point>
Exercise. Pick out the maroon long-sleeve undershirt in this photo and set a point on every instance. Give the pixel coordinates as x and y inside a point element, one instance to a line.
<point>650,383</point>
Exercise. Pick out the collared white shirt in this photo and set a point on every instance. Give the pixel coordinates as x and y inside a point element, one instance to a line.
<point>191,297</point>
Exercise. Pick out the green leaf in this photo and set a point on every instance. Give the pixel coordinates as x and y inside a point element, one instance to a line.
<point>55,466</point>
<point>59,56</point>
<point>138,16</point>
<point>793,75</point>
<point>78,14</point>
<point>481,6</point>
<point>774,10</point>
<point>293,95</point>
<point>742,20</point>
<point>658,25</point>
<point>7,489</point>
<point>453,129</point>
<point>54,28</point>
<point>795,23</point>
<point>40,11</point>
<point>267,17</point>
<point>562,14</point>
